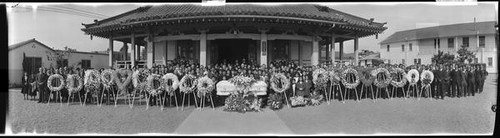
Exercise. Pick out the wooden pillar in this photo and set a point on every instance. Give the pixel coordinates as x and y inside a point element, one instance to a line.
<point>356,58</point>
<point>300,53</point>
<point>332,57</point>
<point>203,47</point>
<point>263,47</point>
<point>133,52</point>
<point>110,62</point>
<point>341,50</point>
<point>315,51</point>
<point>150,49</point>
<point>137,52</point>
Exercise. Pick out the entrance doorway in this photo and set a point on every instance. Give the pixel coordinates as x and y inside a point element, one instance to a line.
<point>230,50</point>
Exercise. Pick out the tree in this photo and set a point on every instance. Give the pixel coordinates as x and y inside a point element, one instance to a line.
<point>464,54</point>
<point>442,58</point>
<point>377,62</point>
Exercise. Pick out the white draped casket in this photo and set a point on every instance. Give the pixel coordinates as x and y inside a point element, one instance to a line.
<point>226,88</point>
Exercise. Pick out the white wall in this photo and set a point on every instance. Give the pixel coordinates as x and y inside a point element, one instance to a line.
<point>97,61</point>
<point>395,53</point>
<point>160,52</point>
<point>31,50</point>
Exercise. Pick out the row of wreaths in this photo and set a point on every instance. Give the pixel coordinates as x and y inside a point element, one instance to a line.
<point>380,77</point>
<point>140,79</point>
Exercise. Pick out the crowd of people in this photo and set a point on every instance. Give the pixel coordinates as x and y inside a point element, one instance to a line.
<point>452,80</point>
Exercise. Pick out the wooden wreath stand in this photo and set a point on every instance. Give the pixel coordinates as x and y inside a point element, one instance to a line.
<point>377,93</point>
<point>395,88</point>
<point>362,91</point>
<point>184,97</point>
<point>71,94</point>
<point>348,92</point>
<point>202,101</point>
<point>57,95</point>
<point>414,90</point>
<point>332,91</point>
<point>427,89</point>
<point>170,98</point>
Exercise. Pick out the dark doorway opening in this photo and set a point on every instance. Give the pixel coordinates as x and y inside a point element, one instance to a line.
<point>230,50</point>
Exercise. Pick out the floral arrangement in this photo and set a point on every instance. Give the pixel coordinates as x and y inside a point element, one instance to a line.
<point>242,83</point>
<point>107,78</point>
<point>184,87</point>
<point>413,76</point>
<point>205,86</point>
<point>150,87</point>
<point>315,99</point>
<point>320,77</point>
<point>334,76</point>
<point>279,78</point>
<point>70,81</point>
<point>242,103</point>
<point>297,101</point>
<point>275,101</point>
<point>382,81</point>
<point>139,78</point>
<point>366,77</point>
<point>170,89</point>
<point>348,84</point>
<point>122,78</point>
<point>59,78</point>
<point>398,73</point>
<point>427,77</point>
<point>92,81</point>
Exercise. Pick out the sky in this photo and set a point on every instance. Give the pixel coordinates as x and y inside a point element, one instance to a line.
<point>59,30</point>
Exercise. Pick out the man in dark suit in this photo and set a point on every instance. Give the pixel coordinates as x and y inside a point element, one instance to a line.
<point>485,74</point>
<point>445,77</point>
<point>470,80</point>
<point>42,86</point>
<point>478,77</point>
<point>454,81</point>
<point>435,85</point>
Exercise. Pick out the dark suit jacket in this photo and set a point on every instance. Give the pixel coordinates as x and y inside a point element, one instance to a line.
<point>437,77</point>
<point>454,76</point>
<point>42,80</point>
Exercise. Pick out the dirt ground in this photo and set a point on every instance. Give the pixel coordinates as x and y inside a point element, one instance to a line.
<point>469,115</point>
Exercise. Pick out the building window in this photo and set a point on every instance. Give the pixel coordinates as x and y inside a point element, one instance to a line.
<point>402,61</point>
<point>411,47</point>
<point>86,64</point>
<point>475,60</point>
<point>403,47</point>
<point>186,50</point>
<point>388,49</point>
<point>419,61</point>
<point>481,41</point>
<point>415,61</point>
<point>451,43</point>
<point>465,41</point>
<point>438,43</point>
<point>435,44</point>
<point>490,61</point>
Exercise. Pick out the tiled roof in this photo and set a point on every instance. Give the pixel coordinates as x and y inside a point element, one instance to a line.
<point>14,46</point>
<point>442,31</point>
<point>301,11</point>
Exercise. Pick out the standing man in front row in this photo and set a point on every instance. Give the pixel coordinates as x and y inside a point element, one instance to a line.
<point>42,85</point>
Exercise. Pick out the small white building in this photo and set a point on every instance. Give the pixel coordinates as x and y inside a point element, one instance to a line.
<point>418,46</point>
<point>40,55</point>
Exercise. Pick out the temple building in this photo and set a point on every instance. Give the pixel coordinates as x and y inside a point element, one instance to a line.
<point>216,34</point>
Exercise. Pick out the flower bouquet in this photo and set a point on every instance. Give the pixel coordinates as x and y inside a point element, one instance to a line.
<point>275,101</point>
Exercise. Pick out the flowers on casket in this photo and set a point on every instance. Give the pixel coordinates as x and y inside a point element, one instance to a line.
<point>242,103</point>
<point>242,83</point>
<point>225,87</point>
